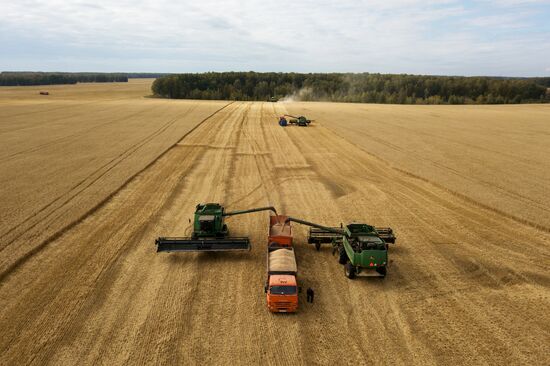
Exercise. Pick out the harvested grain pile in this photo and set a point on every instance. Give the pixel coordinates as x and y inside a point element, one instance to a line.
<point>282,260</point>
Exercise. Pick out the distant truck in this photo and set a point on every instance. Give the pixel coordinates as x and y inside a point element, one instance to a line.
<point>281,286</point>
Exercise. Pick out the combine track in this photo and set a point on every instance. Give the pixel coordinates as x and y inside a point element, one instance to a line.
<point>466,284</point>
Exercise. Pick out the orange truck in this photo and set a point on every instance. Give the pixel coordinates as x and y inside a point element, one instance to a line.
<point>281,285</point>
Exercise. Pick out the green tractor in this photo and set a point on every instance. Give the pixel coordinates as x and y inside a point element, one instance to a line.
<point>210,233</point>
<point>361,248</point>
<point>298,120</point>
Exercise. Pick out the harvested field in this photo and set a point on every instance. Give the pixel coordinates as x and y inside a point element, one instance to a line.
<point>468,282</point>
<point>497,156</point>
<point>62,155</point>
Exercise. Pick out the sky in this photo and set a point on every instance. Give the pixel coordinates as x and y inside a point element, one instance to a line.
<point>477,37</point>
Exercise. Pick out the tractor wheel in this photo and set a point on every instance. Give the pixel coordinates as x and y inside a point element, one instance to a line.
<point>343,258</point>
<point>349,270</point>
<point>317,246</point>
<point>382,271</point>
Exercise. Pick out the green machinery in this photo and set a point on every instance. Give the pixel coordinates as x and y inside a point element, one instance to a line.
<point>210,232</point>
<point>298,120</point>
<point>362,248</point>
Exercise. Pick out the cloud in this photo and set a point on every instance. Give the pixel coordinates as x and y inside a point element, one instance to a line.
<point>481,37</point>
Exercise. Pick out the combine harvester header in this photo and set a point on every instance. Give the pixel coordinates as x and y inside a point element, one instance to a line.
<point>210,233</point>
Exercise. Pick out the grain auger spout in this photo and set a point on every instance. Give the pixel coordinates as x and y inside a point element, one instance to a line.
<point>210,233</point>
<point>334,231</point>
<point>241,212</point>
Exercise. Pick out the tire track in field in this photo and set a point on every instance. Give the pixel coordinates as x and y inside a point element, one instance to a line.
<point>110,270</point>
<point>397,126</point>
<point>461,175</point>
<point>407,191</point>
<point>395,147</point>
<point>142,216</point>
<point>256,149</point>
<point>209,266</point>
<point>362,346</point>
<point>457,194</point>
<point>109,165</point>
<point>460,298</point>
<point>208,183</point>
<point>467,210</point>
<point>462,206</point>
<point>287,169</point>
<point>9,268</point>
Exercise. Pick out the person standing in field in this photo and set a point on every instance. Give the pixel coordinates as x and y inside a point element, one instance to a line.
<point>310,295</point>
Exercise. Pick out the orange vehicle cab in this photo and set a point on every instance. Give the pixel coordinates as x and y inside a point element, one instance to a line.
<point>282,294</point>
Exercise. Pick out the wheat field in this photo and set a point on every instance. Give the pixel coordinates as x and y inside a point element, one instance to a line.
<point>93,173</point>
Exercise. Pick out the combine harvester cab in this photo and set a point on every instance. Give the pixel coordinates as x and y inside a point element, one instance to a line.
<point>281,286</point>
<point>210,233</point>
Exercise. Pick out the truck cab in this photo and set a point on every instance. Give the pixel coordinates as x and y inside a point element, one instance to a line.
<point>282,294</point>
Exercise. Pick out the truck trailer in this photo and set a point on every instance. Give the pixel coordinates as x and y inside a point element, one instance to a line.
<point>281,286</point>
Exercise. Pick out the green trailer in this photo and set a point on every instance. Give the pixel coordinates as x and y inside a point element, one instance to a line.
<point>361,248</point>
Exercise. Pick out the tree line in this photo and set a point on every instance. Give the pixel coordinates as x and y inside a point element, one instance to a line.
<point>349,87</point>
<point>51,78</point>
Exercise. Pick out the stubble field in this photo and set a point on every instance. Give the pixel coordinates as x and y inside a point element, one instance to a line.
<point>92,174</point>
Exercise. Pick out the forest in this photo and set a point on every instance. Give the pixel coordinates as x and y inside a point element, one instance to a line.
<point>8,78</point>
<point>353,87</point>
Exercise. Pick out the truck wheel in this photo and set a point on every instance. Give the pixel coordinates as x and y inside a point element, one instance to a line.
<point>349,270</point>
<point>317,246</point>
<point>382,271</point>
<point>343,259</point>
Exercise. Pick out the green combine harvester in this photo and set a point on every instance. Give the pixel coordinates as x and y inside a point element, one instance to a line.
<point>298,120</point>
<point>210,233</point>
<point>362,248</point>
